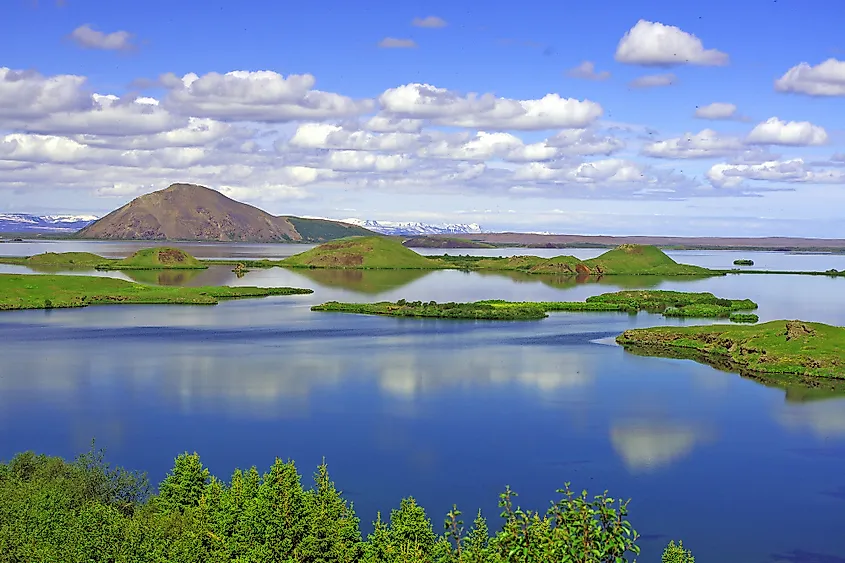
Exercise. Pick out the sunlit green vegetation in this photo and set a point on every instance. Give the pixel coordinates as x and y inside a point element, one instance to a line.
<point>87,511</point>
<point>158,258</point>
<point>362,253</point>
<point>668,303</point>
<point>774,348</point>
<point>45,291</point>
<point>743,262</point>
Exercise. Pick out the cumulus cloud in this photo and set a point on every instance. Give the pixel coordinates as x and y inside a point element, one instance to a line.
<point>584,142</point>
<point>263,96</point>
<point>326,136</point>
<point>655,44</point>
<point>824,79</point>
<point>89,38</point>
<point>716,110</point>
<point>774,131</point>
<point>387,124</point>
<point>396,43</point>
<point>612,170</point>
<point>357,160</point>
<point>587,71</point>
<point>790,171</point>
<point>653,81</point>
<point>445,107</point>
<point>705,144</point>
<point>429,21</point>
<point>485,146</point>
<point>26,94</point>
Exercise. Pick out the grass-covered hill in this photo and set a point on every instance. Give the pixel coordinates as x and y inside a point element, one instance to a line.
<point>776,348</point>
<point>362,253</point>
<point>158,258</point>
<point>55,261</point>
<point>628,259</point>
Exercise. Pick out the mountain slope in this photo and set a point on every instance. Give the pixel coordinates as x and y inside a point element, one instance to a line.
<point>192,212</point>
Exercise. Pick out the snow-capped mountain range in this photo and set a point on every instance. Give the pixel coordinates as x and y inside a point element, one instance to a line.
<point>413,228</point>
<point>25,223</point>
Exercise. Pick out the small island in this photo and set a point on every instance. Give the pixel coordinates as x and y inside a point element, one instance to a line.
<point>45,291</point>
<point>743,262</point>
<point>157,258</point>
<point>667,303</point>
<point>782,349</point>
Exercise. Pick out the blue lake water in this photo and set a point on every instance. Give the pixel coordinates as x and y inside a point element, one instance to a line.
<point>448,411</point>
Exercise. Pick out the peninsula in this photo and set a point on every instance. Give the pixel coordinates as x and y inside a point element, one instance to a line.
<point>667,303</point>
<point>777,349</point>
<point>44,291</point>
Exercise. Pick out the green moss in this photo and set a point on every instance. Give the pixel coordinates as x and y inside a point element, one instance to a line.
<point>37,291</point>
<point>774,348</point>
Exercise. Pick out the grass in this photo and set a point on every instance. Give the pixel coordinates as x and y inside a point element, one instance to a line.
<point>361,253</point>
<point>775,348</point>
<point>668,303</point>
<point>628,259</point>
<point>158,258</point>
<point>44,291</point>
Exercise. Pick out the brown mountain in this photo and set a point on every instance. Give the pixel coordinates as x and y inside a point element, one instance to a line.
<point>192,212</point>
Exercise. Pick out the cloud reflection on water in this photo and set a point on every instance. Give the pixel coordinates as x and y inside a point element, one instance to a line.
<point>648,445</point>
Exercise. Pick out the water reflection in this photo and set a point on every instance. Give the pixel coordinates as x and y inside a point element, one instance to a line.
<point>370,282</point>
<point>646,446</point>
<point>167,277</point>
<point>824,418</point>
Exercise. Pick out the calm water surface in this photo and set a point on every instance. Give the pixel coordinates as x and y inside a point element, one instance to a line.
<point>447,411</point>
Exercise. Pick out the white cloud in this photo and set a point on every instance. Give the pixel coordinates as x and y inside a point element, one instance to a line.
<point>486,146</point>
<point>611,170</point>
<point>587,71</point>
<point>824,79</point>
<point>716,110</point>
<point>26,94</point>
<point>326,136</point>
<point>387,124</point>
<point>444,107</point>
<point>584,142</point>
<point>429,21</point>
<point>90,38</point>
<point>653,43</point>
<point>263,96</point>
<point>357,160</point>
<point>396,43</point>
<point>774,131</point>
<point>791,171</point>
<point>653,81</point>
<point>704,144</point>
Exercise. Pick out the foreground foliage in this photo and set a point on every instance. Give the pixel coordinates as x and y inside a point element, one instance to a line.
<point>87,511</point>
<point>799,348</point>
<point>43,291</point>
<point>668,303</point>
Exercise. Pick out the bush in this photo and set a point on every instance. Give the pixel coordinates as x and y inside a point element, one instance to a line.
<point>677,553</point>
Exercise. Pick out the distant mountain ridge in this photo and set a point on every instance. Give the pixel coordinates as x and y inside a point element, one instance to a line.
<point>415,228</point>
<point>27,223</point>
<point>190,212</point>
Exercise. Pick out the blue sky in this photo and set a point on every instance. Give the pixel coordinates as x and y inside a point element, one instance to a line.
<point>458,134</point>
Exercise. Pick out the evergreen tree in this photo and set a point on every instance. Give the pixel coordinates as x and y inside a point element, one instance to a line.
<point>184,485</point>
<point>279,515</point>
<point>333,533</point>
<point>475,545</point>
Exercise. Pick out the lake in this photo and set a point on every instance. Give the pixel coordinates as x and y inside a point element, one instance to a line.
<point>447,411</point>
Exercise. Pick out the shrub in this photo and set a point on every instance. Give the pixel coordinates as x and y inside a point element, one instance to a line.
<point>677,553</point>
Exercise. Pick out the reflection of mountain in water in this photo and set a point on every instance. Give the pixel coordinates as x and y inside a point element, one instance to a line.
<point>569,281</point>
<point>363,281</point>
<point>646,446</point>
<point>214,275</point>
